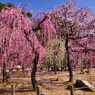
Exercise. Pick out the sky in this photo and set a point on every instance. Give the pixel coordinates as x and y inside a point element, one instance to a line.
<point>49,5</point>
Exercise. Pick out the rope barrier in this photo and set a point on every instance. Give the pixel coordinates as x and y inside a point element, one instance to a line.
<point>80,88</point>
<point>53,90</point>
<point>13,89</point>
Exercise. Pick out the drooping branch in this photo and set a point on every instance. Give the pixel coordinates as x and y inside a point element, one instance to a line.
<point>88,50</point>
<point>31,44</point>
<point>81,37</point>
<point>38,27</point>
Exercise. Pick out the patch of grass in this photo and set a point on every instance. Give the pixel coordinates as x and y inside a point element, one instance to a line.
<point>91,94</point>
<point>87,72</point>
<point>74,87</point>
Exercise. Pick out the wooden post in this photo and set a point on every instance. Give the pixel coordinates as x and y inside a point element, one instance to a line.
<point>38,90</point>
<point>0,70</point>
<point>71,90</point>
<point>89,70</point>
<point>13,89</point>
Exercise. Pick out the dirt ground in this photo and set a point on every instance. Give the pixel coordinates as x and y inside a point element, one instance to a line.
<point>47,81</point>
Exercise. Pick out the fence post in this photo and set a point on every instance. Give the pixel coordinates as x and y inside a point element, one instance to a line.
<point>0,70</point>
<point>71,89</point>
<point>89,70</point>
<point>38,90</point>
<point>13,89</point>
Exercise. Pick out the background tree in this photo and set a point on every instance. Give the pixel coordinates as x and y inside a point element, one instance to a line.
<point>2,5</point>
<point>54,52</point>
<point>29,14</point>
<point>10,5</point>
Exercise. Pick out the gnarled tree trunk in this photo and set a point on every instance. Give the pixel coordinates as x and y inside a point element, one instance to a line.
<point>33,73</point>
<point>68,59</point>
<point>4,72</point>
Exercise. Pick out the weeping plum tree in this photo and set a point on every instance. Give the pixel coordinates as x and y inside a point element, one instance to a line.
<point>21,43</point>
<point>73,24</point>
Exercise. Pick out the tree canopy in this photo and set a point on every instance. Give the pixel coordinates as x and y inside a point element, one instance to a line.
<point>2,5</point>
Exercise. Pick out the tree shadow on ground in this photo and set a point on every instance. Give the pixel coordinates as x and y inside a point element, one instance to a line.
<point>9,91</point>
<point>50,85</point>
<point>2,91</point>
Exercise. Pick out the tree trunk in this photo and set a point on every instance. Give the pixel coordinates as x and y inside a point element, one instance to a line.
<point>23,68</point>
<point>49,66</point>
<point>55,68</point>
<point>33,73</point>
<point>68,59</point>
<point>4,72</point>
